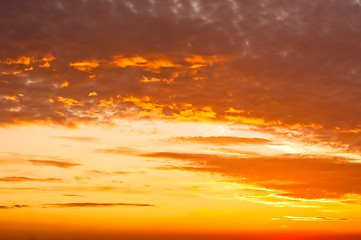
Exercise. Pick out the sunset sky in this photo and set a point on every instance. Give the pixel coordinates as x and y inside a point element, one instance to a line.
<point>180,118</point>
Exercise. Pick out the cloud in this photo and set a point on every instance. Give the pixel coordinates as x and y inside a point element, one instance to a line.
<point>275,63</point>
<point>60,164</point>
<point>299,176</point>
<point>22,189</point>
<point>80,204</point>
<point>27,179</point>
<point>100,172</point>
<point>222,140</point>
<point>85,65</point>
<point>71,205</point>
<point>315,219</point>
<point>14,206</point>
<point>80,139</point>
<point>72,195</point>
<point>119,150</point>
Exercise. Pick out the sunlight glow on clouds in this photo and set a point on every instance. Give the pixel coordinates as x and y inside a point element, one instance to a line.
<point>171,115</point>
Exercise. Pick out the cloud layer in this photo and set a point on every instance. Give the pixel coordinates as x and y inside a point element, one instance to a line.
<point>287,63</point>
<point>309,177</point>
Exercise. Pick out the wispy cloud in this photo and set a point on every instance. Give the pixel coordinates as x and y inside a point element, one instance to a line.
<point>14,206</point>
<point>77,138</point>
<point>221,140</point>
<point>294,175</point>
<point>92,204</point>
<point>119,150</point>
<point>78,204</point>
<point>315,219</point>
<point>28,179</point>
<point>60,164</point>
<point>100,172</point>
<point>72,195</point>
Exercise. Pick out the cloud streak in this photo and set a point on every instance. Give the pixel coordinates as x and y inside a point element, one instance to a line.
<point>60,164</point>
<point>92,204</point>
<point>28,179</point>
<point>295,175</point>
<point>221,140</point>
<point>119,150</point>
<point>80,139</point>
<point>15,206</point>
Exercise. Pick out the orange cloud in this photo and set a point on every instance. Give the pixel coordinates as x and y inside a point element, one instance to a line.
<point>80,139</point>
<point>24,60</point>
<point>85,65</point>
<point>64,84</point>
<point>222,140</point>
<point>47,61</point>
<point>106,103</point>
<point>295,175</point>
<point>199,61</point>
<point>68,101</point>
<point>11,98</point>
<point>60,164</point>
<point>135,61</point>
<point>91,204</point>
<point>27,179</point>
<point>187,112</point>
<point>14,206</point>
<point>119,150</point>
<point>150,63</point>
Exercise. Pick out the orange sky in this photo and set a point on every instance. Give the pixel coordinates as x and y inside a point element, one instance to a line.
<point>189,119</point>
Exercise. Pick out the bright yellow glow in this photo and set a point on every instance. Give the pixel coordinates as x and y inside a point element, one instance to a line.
<point>151,63</point>
<point>198,61</point>
<point>85,65</point>
<point>24,60</point>
<point>68,101</point>
<point>90,164</point>
<point>64,84</point>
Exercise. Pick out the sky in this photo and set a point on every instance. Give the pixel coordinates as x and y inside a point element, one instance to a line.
<point>217,119</point>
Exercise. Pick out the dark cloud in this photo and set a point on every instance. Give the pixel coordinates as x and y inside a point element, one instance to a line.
<point>278,63</point>
<point>27,179</point>
<point>295,175</point>
<point>70,205</point>
<point>14,206</point>
<point>60,164</point>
